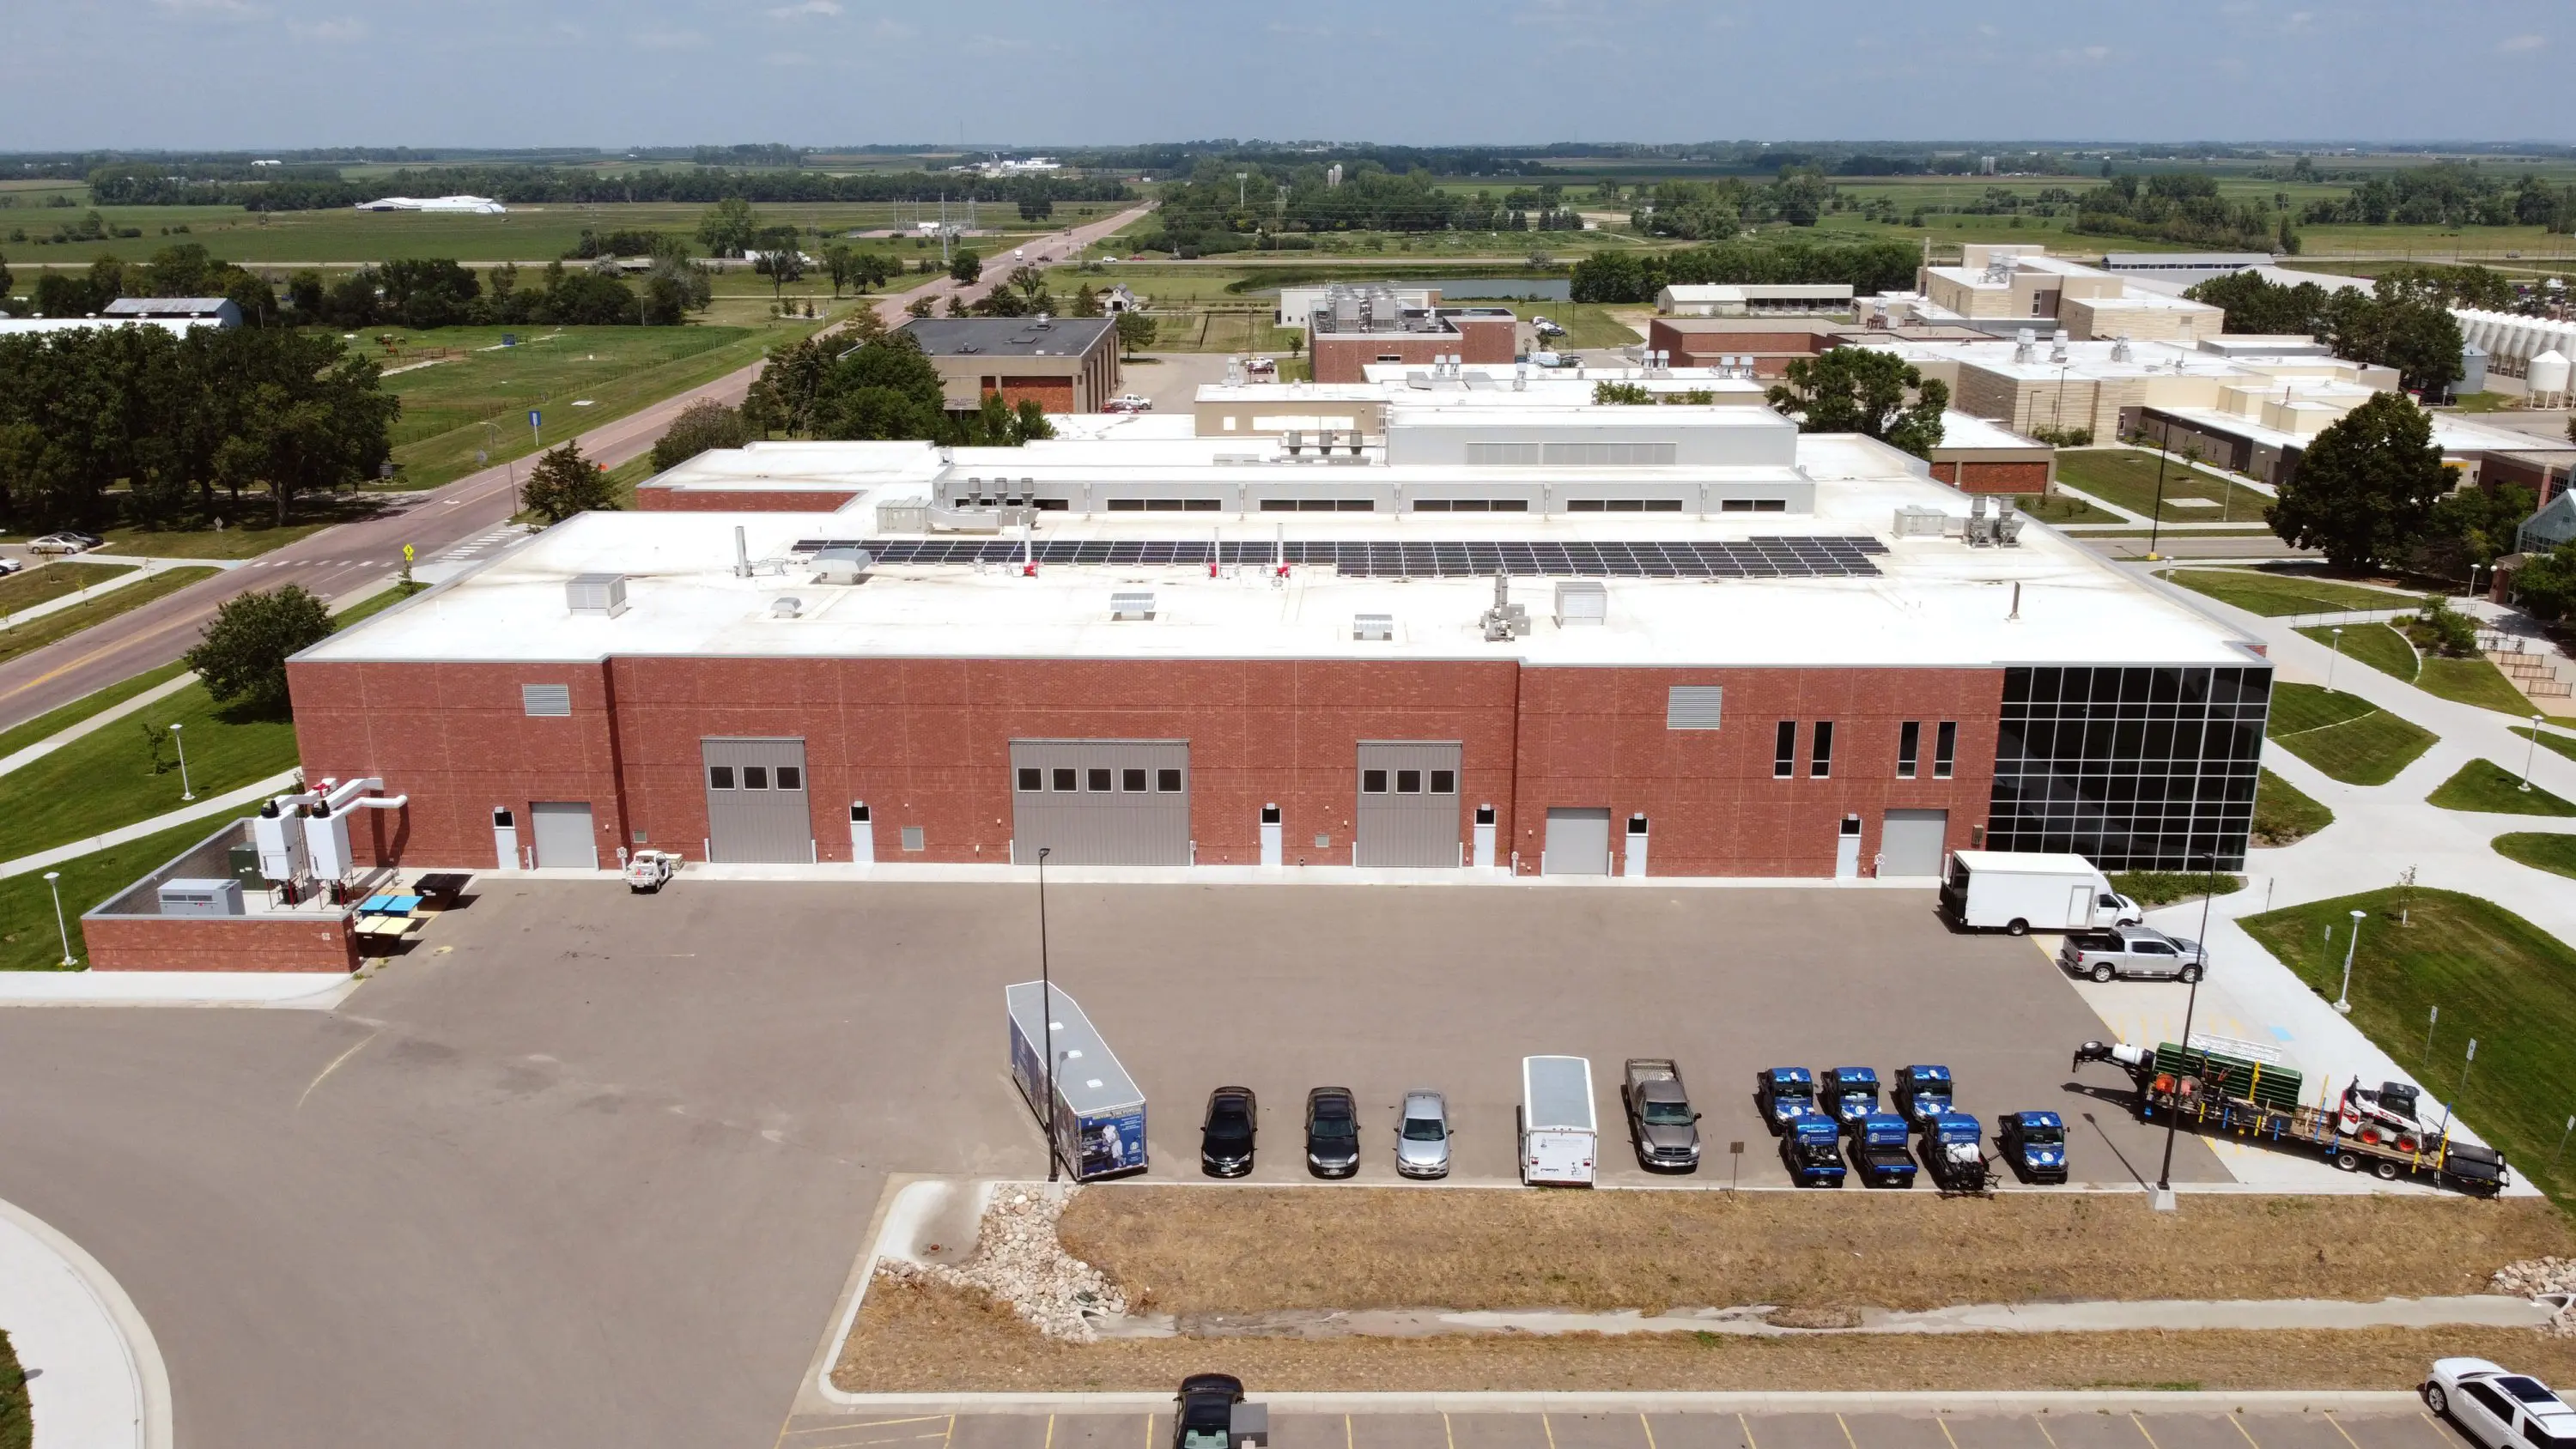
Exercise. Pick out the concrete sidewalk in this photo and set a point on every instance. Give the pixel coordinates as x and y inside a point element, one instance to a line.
<point>295,990</point>
<point>94,1375</point>
<point>94,723</point>
<point>250,794</point>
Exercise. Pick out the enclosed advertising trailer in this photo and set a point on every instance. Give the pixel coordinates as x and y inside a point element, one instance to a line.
<point>1099,1114</point>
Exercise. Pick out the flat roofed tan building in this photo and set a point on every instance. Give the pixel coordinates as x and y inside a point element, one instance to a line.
<point>1067,364</point>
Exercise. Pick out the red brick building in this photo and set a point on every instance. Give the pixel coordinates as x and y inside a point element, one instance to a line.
<point>1475,335</point>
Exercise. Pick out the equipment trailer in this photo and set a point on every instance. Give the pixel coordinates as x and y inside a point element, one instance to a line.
<point>2376,1128</point>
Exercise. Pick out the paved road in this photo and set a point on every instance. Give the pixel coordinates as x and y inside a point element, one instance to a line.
<point>2082,1429</point>
<point>341,559</point>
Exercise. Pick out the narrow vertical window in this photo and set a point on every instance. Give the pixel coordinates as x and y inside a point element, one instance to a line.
<point>1909,748</point>
<point>1820,755</point>
<point>1945,749</point>
<point>1784,754</point>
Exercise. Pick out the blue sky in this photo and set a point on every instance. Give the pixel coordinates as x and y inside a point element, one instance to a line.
<point>280,73</point>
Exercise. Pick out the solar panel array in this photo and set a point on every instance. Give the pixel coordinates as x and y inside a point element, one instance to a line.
<point>1768,557</point>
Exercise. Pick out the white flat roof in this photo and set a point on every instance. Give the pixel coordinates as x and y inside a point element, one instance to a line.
<point>1966,430</point>
<point>1935,602</point>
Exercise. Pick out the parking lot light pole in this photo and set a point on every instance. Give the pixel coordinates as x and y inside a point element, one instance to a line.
<point>2190,1005</point>
<point>1046,1010</point>
<point>186,790</point>
<point>2155,520</point>
<point>2343,997</point>
<point>2530,752</point>
<point>2337,659</point>
<point>53,883</point>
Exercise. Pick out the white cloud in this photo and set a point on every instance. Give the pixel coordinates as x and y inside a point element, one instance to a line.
<point>806,7</point>
<point>2523,43</point>
<point>668,39</point>
<point>886,29</point>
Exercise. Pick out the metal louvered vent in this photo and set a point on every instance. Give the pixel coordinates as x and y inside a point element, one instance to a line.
<point>1694,706</point>
<point>553,700</point>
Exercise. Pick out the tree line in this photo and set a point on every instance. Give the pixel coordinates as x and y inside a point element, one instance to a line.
<point>2448,194</point>
<point>1869,267</point>
<point>410,292</point>
<point>160,428</point>
<point>540,185</point>
<point>2181,207</point>
<point>2404,321</point>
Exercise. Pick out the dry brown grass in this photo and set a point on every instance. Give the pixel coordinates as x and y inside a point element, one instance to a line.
<point>921,1338</point>
<point>1202,1250</point>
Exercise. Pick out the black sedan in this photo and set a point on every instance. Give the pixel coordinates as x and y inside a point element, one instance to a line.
<point>1332,1132</point>
<point>1226,1137</point>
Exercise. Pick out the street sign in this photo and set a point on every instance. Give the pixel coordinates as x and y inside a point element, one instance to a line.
<point>533,418</point>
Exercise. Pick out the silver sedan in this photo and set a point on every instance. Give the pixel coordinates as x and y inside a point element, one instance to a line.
<point>1422,1133</point>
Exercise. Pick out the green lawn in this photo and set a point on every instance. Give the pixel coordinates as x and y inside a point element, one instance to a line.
<point>2283,814</point>
<point>63,623</point>
<point>2542,850</point>
<point>45,583</point>
<point>2344,735</point>
<point>2495,976</point>
<point>376,605</point>
<point>111,777</point>
<point>2152,888</point>
<point>2377,645</point>
<point>249,538</point>
<point>2485,787</point>
<point>2126,477</point>
<point>28,939</point>
<point>2062,508</point>
<point>2550,740</point>
<point>17,1425</point>
<point>2474,681</point>
<point>2273,595</point>
<point>53,722</point>
<point>616,369</point>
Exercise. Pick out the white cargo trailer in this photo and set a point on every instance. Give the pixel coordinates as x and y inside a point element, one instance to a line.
<point>2023,891</point>
<point>1099,1115</point>
<point>1560,1137</point>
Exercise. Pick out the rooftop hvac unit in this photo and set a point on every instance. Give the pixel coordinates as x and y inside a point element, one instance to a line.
<point>1581,601</point>
<point>841,565</point>
<point>597,594</point>
<point>201,898</point>
<point>1917,520</point>
<point>1139,605</point>
<point>1376,628</point>
<point>903,518</point>
<point>786,606</point>
<point>1505,620</point>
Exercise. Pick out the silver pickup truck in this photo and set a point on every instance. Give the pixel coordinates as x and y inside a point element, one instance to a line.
<point>2130,951</point>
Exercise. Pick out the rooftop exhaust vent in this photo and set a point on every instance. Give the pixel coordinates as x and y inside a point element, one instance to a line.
<point>1376,628</point>
<point>603,594</point>
<point>787,606</point>
<point>1135,605</point>
<point>1582,601</point>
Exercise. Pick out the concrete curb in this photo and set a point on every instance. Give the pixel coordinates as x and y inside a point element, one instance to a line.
<point>2147,1401</point>
<point>292,990</point>
<point>88,1404</point>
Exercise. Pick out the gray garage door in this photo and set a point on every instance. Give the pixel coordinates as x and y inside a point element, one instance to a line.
<point>1408,812</point>
<point>1101,802</point>
<point>1910,841</point>
<point>563,835</point>
<point>1578,842</point>
<point>757,813</point>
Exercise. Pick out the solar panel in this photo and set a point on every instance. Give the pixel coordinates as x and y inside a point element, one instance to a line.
<point>1770,556</point>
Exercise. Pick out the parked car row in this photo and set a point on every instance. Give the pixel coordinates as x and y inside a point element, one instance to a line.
<point>1229,1133</point>
<point>66,542</point>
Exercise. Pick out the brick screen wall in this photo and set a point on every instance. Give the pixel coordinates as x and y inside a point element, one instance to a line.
<point>184,943</point>
<point>740,500</point>
<point>1055,394</point>
<point>1991,477</point>
<point>926,744</point>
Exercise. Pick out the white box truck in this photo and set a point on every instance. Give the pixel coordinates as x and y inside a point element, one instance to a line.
<point>1560,1137</point>
<point>2022,891</point>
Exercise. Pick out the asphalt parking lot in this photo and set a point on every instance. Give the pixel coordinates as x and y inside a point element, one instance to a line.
<point>588,1168</point>
<point>2069,1430</point>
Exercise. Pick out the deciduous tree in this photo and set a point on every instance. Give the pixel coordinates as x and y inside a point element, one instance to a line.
<point>699,427</point>
<point>565,483</point>
<point>728,227</point>
<point>241,653</point>
<point>2365,489</point>
<point>1862,390</point>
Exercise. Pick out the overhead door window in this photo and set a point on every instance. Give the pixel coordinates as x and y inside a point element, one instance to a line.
<point>1032,779</point>
<point>1068,779</point>
<point>755,777</point>
<point>1096,780</point>
<point>1444,782</point>
<point>1131,781</point>
<point>1167,782</point>
<point>1408,782</point>
<point>1372,782</point>
<point>719,777</point>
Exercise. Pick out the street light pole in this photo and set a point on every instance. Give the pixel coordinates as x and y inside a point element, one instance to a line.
<point>186,790</point>
<point>2155,520</point>
<point>2343,998</point>
<point>2529,753</point>
<point>2191,1004</point>
<point>2338,658</point>
<point>53,879</point>
<point>1046,1004</point>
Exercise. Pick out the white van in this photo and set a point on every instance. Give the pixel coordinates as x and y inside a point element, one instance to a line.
<point>2025,891</point>
<point>1560,1136</point>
